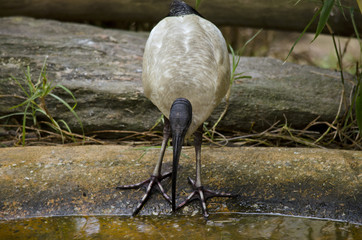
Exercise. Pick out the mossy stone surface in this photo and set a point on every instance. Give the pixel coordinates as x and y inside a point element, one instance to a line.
<point>47,181</point>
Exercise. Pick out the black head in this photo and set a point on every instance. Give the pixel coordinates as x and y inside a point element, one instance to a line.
<point>180,8</point>
<point>180,116</point>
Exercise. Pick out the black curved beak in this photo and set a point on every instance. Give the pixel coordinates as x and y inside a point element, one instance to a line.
<point>180,119</point>
<point>177,142</point>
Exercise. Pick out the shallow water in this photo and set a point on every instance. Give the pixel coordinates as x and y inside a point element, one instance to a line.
<point>218,226</point>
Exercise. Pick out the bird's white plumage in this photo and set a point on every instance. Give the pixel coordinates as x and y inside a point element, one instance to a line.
<point>186,56</point>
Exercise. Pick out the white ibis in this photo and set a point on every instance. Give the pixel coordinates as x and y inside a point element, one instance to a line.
<point>186,73</point>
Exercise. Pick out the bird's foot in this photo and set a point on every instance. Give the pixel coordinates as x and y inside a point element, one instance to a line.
<point>202,194</point>
<point>152,182</point>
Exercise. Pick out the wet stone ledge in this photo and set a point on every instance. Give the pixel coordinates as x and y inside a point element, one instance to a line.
<point>52,181</point>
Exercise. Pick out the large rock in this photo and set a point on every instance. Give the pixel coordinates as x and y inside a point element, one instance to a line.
<point>275,14</point>
<point>51,181</point>
<point>103,70</point>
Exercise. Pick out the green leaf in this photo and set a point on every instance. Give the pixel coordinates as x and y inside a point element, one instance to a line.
<point>30,99</point>
<point>24,124</point>
<point>301,35</point>
<point>197,4</point>
<point>31,86</point>
<point>54,125</point>
<point>70,109</point>
<point>323,18</point>
<point>351,11</point>
<point>359,5</point>
<point>297,2</point>
<point>236,60</point>
<point>19,84</point>
<point>70,93</point>
<point>247,42</point>
<point>62,101</point>
<point>43,70</point>
<point>43,112</point>
<point>35,97</point>
<point>66,125</point>
<point>68,128</point>
<point>339,4</point>
<point>359,108</point>
<point>14,114</point>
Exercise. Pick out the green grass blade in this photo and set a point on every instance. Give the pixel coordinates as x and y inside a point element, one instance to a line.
<point>54,124</point>
<point>44,113</point>
<point>231,50</point>
<point>31,86</point>
<point>45,85</point>
<point>19,105</point>
<point>68,128</point>
<point>236,60</point>
<point>301,35</point>
<point>30,99</point>
<point>63,102</point>
<point>323,18</point>
<point>339,58</point>
<point>70,109</point>
<point>359,2</point>
<point>197,4</point>
<point>14,114</point>
<point>24,125</point>
<point>235,63</point>
<point>43,71</point>
<point>21,86</point>
<point>70,93</point>
<point>351,11</point>
<point>339,4</point>
<point>247,42</point>
<point>66,125</point>
<point>35,102</point>
<point>158,121</point>
<point>359,108</point>
<point>57,128</point>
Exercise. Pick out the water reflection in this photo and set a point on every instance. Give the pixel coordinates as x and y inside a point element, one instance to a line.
<point>86,226</point>
<point>219,226</point>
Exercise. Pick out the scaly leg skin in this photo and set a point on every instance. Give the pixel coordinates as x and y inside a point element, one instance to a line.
<point>156,177</point>
<point>199,191</point>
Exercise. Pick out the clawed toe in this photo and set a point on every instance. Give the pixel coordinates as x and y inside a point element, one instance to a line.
<point>152,182</point>
<point>202,194</point>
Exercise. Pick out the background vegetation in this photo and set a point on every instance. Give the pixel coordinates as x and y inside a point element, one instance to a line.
<point>328,51</point>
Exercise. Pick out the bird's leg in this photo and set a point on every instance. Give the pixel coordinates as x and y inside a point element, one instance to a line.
<point>199,191</point>
<point>156,176</point>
